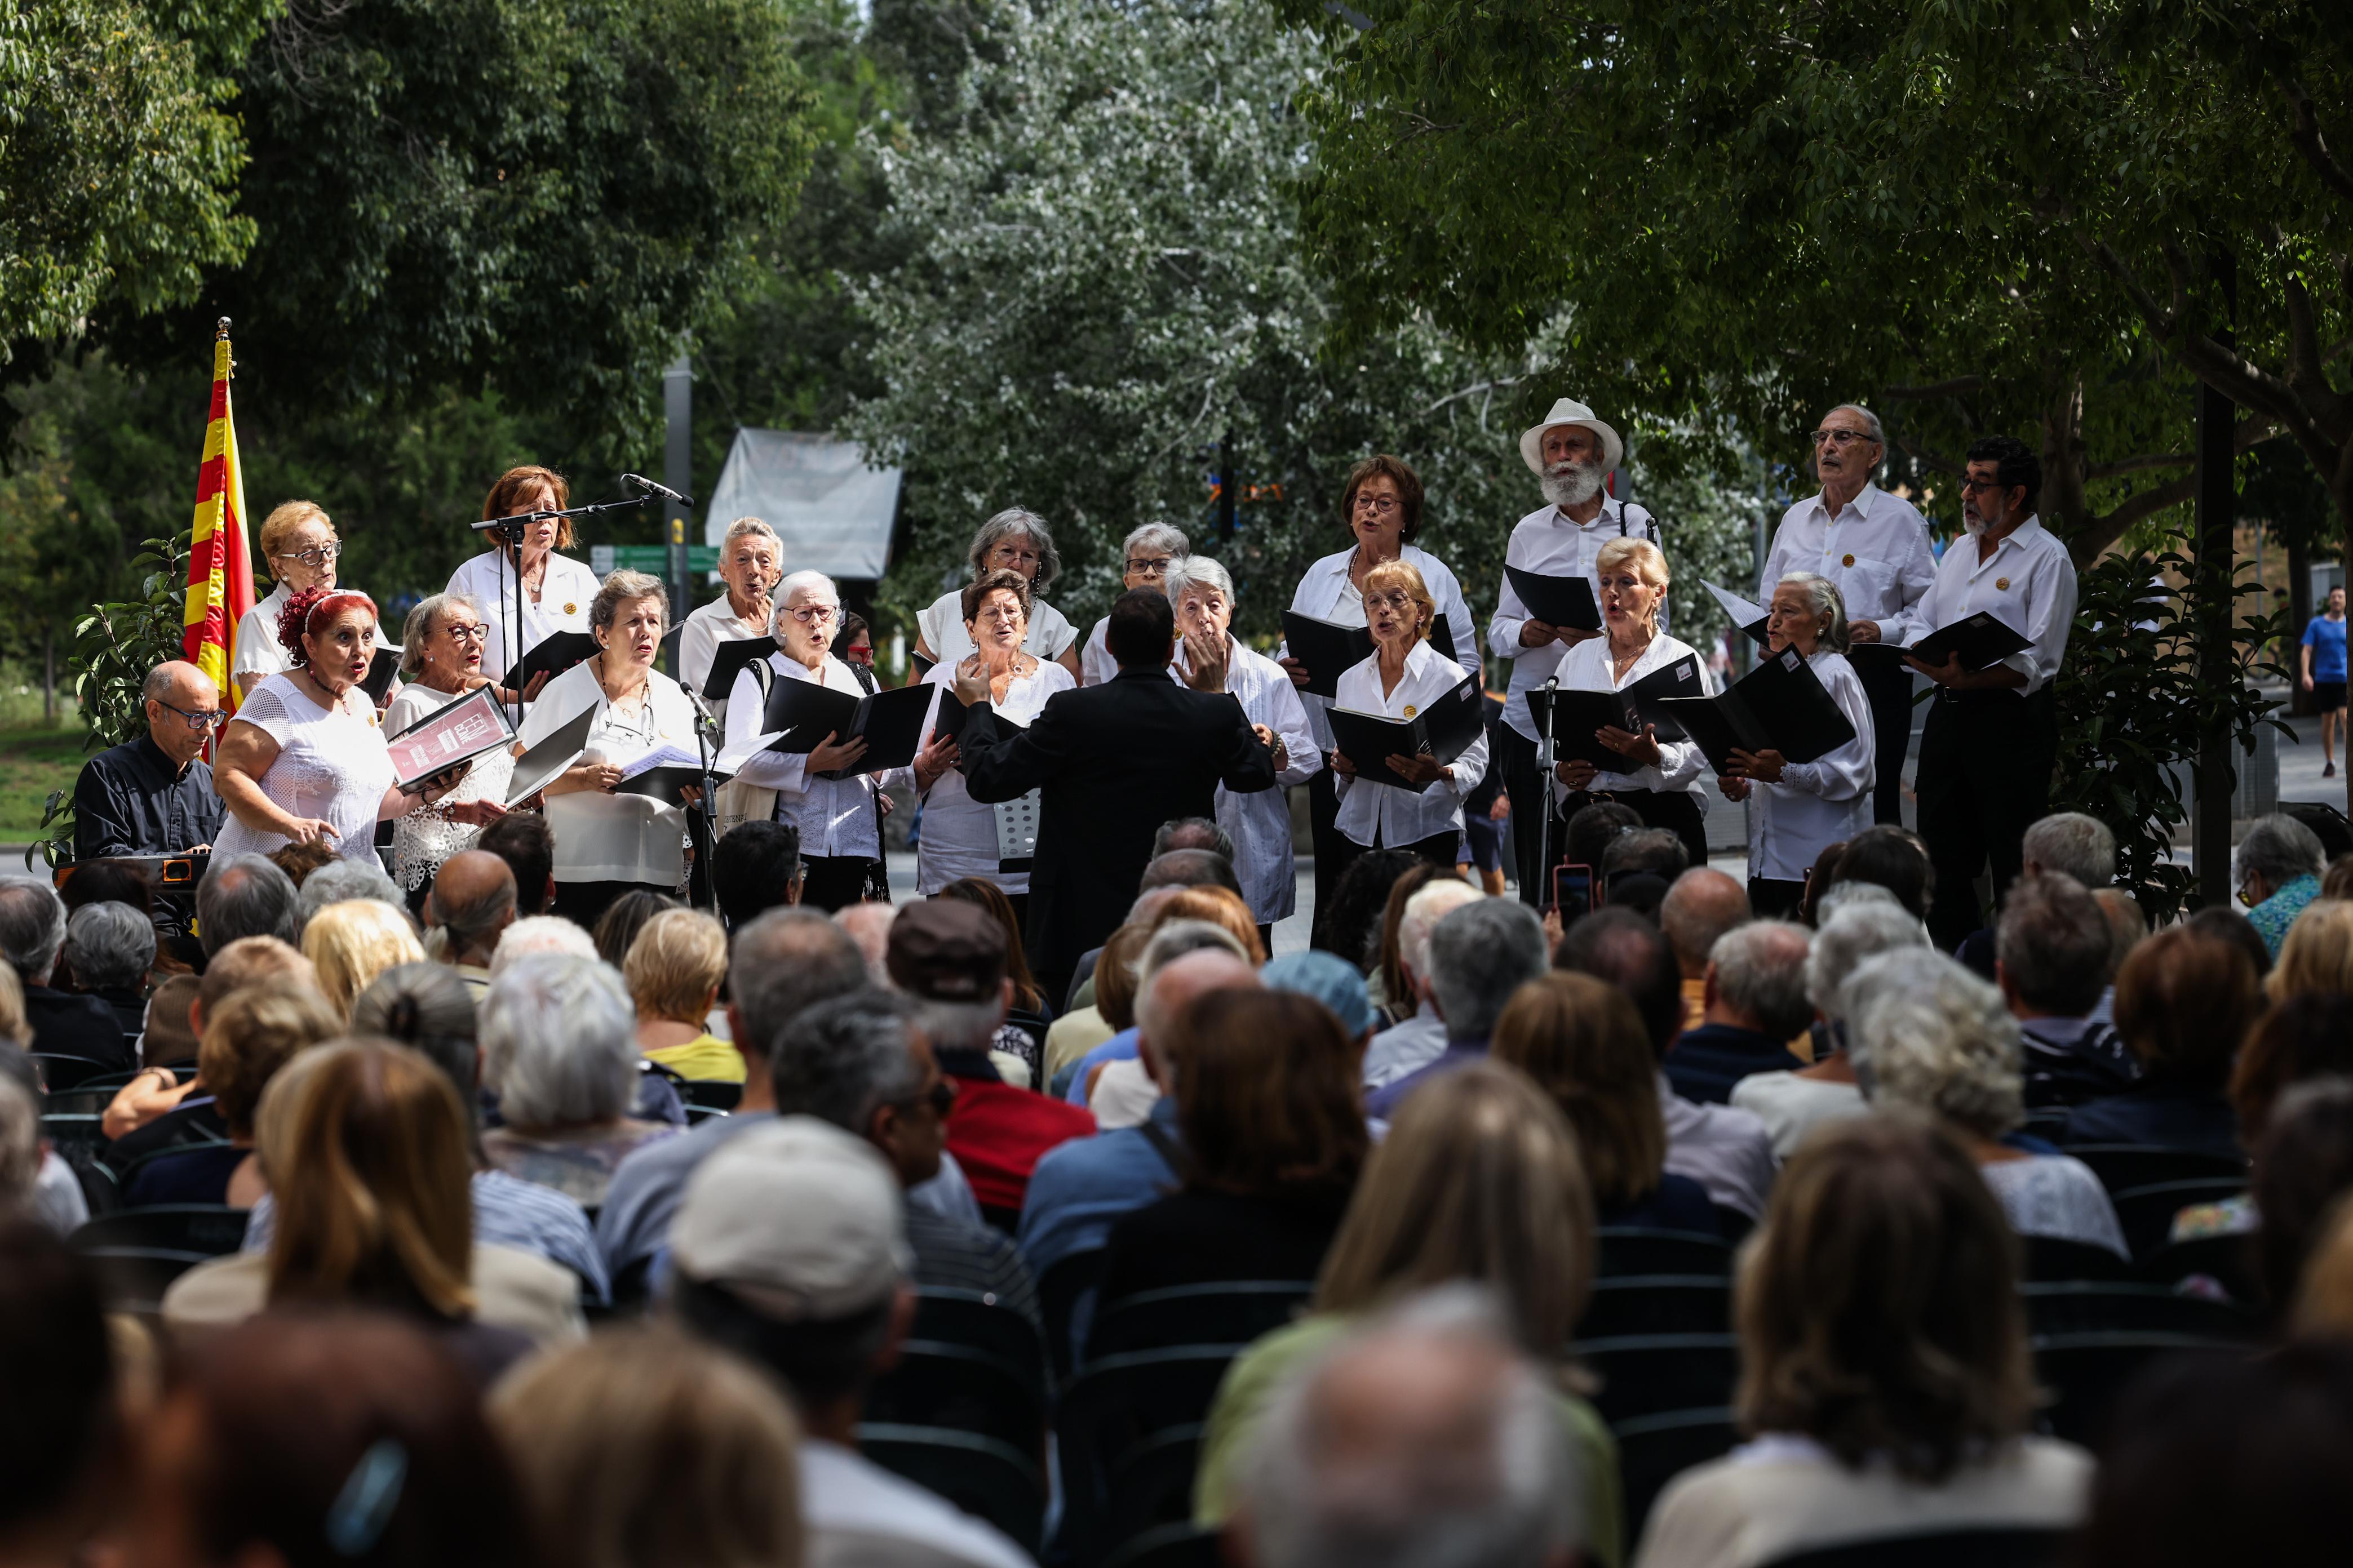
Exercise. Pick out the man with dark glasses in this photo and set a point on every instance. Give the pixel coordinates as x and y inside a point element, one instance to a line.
<point>154,795</point>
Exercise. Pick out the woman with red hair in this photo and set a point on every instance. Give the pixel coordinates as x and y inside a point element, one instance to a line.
<point>556,589</point>
<point>305,759</point>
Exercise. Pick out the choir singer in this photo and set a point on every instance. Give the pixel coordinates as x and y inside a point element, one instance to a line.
<point>1404,676</point>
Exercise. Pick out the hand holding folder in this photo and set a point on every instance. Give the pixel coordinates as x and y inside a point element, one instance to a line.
<point>1442,732</point>
<point>1780,706</point>
<point>802,716</point>
<point>1978,642</point>
<point>1566,602</point>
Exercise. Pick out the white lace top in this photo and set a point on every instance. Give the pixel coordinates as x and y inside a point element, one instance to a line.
<point>332,764</point>
<point>425,837</point>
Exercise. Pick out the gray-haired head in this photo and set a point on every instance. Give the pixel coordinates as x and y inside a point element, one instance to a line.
<point>1659,850</point>
<point>423,622</point>
<point>625,587</point>
<point>1824,598</point>
<point>847,1056</point>
<point>541,936</point>
<point>2079,846</point>
<point>1479,955</point>
<point>32,928</point>
<point>1859,930</point>
<point>1869,421</point>
<point>1852,895</point>
<point>1198,571</point>
<point>2279,849</point>
<point>110,947</point>
<point>1925,1033</point>
<point>1156,539</point>
<point>2054,944</point>
<point>783,964</point>
<point>1760,974</point>
<point>559,1042</point>
<point>1193,833</point>
<point>804,585</point>
<point>743,525</point>
<point>1189,869</point>
<point>427,1008</point>
<point>1425,1439</point>
<point>246,896</point>
<point>1016,523</point>
<point>345,878</point>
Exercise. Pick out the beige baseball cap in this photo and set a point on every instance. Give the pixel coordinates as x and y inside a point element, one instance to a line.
<point>801,1220</point>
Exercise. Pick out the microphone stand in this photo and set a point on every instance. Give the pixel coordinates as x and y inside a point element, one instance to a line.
<point>704,729</point>
<point>509,531</point>
<point>1544,783</point>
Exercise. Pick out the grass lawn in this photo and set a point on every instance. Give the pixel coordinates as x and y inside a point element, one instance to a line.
<point>33,761</point>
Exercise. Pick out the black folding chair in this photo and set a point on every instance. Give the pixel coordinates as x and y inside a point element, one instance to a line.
<point>1655,1449</point>
<point>2014,1548</point>
<point>2086,1307</point>
<point>1657,1304</point>
<point>1650,1374</point>
<point>986,1478</point>
<point>2124,1166</point>
<point>985,1323</point>
<point>83,1102</point>
<point>2228,1260</point>
<point>2049,1257</point>
<point>202,1230</point>
<point>72,1133</point>
<point>2147,1213</point>
<point>1633,1249</point>
<point>1225,1313</point>
<point>962,1389</point>
<point>1059,1290</point>
<point>133,1279</point>
<point>59,1071</point>
<point>1169,1546</point>
<point>2086,1371</point>
<point>1119,1419</point>
<point>710,1094</point>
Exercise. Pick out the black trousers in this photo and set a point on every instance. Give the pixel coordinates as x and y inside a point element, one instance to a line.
<point>1772,899</point>
<point>1889,692</point>
<point>1531,796</point>
<point>1984,778</point>
<point>1675,810</point>
<point>833,881</point>
<point>1334,853</point>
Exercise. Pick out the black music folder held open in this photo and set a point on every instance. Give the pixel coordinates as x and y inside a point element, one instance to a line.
<point>1576,715</point>
<point>554,653</point>
<point>801,713</point>
<point>1981,640</point>
<point>1444,730</point>
<point>381,669</point>
<point>728,660</point>
<point>1748,618</point>
<point>1779,706</point>
<point>1558,601</point>
<point>539,766</point>
<point>1329,649</point>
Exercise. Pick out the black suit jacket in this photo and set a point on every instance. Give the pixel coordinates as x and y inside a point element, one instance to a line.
<point>1114,761</point>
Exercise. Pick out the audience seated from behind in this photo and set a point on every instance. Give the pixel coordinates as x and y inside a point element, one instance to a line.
<point>2069,843</point>
<point>1337,985</point>
<point>301,860</point>
<point>757,868</point>
<point>1165,876</point>
<point>248,1041</point>
<point>1756,1004</point>
<point>1586,840</point>
<point>859,1061</point>
<point>785,961</point>
<point>1076,1033</point>
<point>472,904</point>
<point>1273,1138</point>
<point>560,1052</point>
<point>154,1111</point>
<point>109,948</point>
<point>1699,910</point>
<point>1582,1043</point>
<point>1932,1038</point>
<point>244,895</point>
<point>1479,955</point>
<point>525,841</point>
<point>2183,1000</point>
<point>64,1023</point>
<point>1184,921</point>
<point>20,1145</point>
<point>2051,951</point>
<point>643,1447</point>
<point>1029,1005</point>
<point>351,942</point>
<point>54,1194</point>
<point>426,1006</point>
<point>1478,1181</point>
<point>623,919</point>
<point>1391,981</point>
<point>869,925</point>
<point>342,880</point>
<point>1351,924</point>
<point>790,1251</point>
<point>1724,1150</point>
<point>2317,954</point>
<point>1419,1037</point>
<point>1639,867</point>
<point>1888,857</point>
<point>674,969</point>
<point>542,936</point>
<point>2304,1168</point>
<point>166,1038</point>
<point>2308,1035</point>
<point>1793,1103</point>
<point>304,1437</point>
<point>1884,1386</point>
<point>2276,868</point>
<point>66,1435</point>
<point>364,1144</point>
<point>1427,1436</point>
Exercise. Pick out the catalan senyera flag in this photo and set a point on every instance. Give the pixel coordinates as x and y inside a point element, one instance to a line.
<point>220,569</point>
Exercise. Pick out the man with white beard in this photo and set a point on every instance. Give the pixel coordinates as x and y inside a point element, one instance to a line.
<point>1573,454</point>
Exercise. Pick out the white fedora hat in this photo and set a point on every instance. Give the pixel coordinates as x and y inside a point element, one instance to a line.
<point>1568,411</point>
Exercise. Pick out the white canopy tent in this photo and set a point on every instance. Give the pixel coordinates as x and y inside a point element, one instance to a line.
<point>833,513</point>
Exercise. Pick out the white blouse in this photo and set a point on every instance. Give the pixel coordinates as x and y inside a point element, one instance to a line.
<point>258,651</point>
<point>1096,662</point>
<point>565,595</point>
<point>699,637</point>
<point>959,834</point>
<point>1260,822</point>
<point>1587,667</point>
<point>942,625</point>
<point>1326,593</point>
<point>1820,803</point>
<point>834,816</point>
<point>618,838</point>
<point>332,766</point>
<point>1384,814</point>
<point>424,838</point>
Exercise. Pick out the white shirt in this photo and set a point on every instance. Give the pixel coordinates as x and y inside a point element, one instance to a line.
<point>1403,817</point>
<point>1405,1047</point>
<point>565,593</point>
<point>1325,591</point>
<point>1260,822</point>
<point>1791,1107</point>
<point>2029,583</point>
<point>1820,803</point>
<point>1549,545</point>
<point>848,1499</point>
<point>258,651</point>
<point>959,836</point>
<point>1096,662</point>
<point>423,839</point>
<point>1876,550</point>
<point>332,766</point>
<point>940,622</point>
<point>834,816</point>
<point>699,637</point>
<point>1589,667</point>
<point>603,837</point>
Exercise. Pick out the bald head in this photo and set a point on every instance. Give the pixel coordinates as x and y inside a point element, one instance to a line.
<point>177,684</point>
<point>1190,868</point>
<point>1699,909</point>
<point>869,926</point>
<point>1172,988</point>
<point>474,901</point>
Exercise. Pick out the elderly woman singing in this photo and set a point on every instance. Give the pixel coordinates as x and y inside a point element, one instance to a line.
<point>1012,541</point>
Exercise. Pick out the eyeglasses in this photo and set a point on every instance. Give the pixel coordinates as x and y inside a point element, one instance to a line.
<point>807,613</point>
<point>1389,601</point>
<point>1156,566</point>
<point>317,555</point>
<point>941,1097</point>
<point>1381,505</point>
<point>1840,437</point>
<point>212,721</point>
<point>462,631</point>
<point>1974,486</point>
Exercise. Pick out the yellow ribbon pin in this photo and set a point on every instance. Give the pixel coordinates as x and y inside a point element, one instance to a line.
<point>1408,710</point>
<point>2001,585</point>
<point>570,608</point>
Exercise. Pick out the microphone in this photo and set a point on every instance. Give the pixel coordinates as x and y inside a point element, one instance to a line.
<point>647,485</point>
<point>696,698</point>
<point>517,521</point>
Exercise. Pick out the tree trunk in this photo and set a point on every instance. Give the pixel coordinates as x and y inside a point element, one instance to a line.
<point>2299,612</point>
<point>48,678</point>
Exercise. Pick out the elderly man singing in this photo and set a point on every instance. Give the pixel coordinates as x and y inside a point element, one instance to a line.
<point>1573,454</point>
<point>154,795</point>
<point>1874,546</point>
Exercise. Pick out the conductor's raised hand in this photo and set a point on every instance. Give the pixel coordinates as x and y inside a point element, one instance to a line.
<point>835,755</point>
<point>972,680</point>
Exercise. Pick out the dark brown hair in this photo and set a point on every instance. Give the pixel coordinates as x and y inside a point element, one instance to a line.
<point>1003,580</point>
<point>251,1035</point>
<point>2182,1000</point>
<point>1027,994</point>
<point>505,496</point>
<point>1582,1042</point>
<point>1408,486</point>
<point>1115,981</point>
<point>1879,1312</point>
<point>1267,1093</point>
<point>2308,1036</point>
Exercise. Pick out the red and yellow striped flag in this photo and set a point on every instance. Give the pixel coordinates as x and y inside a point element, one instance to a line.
<point>220,571</point>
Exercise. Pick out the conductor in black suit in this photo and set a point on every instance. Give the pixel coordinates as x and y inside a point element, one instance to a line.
<point>1112,762</point>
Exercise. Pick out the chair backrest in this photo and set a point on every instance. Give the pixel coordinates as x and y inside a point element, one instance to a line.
<point>133,1279</point>
<point>1657,1304</point>
<point>1059,1289</point>
<point>2147,1213</point>
<point>988,1478</point>
<point>201,1230</point>
<point>1634,1249</point>
<point>961,1389</point>
<point>69,1131</point>
<point>983,1322</point>
<point>2122,1166</point>
<point>2087,1307</point>
<point>1225,1314</point>
<point>1169,1546</point>
<point>1115,1416</point>
<point>87,1100</point>
<point>2011,1547</point>
<point>696,1115</point>
<point>2085,1372</point>
<point>1655,1449</point>
<point>710,1094</point>
<point>1649,1374</point>
<point>61,1071</point>
<point>2227,1260</point>
<point>2049,1257</point>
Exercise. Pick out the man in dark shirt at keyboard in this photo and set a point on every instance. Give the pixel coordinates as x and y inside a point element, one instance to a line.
<point>154,795</point>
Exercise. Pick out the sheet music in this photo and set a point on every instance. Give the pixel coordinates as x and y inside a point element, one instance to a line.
<point>1017,826</point>
<point>665,755</point>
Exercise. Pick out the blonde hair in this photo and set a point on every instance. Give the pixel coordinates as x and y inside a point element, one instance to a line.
<point>283,520</point>
<point>645,1448</point>
<point>14,1024</point>
<point>1222,908</point>
<point>352,943</point>
<point>1404,574</point>
<point>675,965</point>
<point>2323,1301</point>
<point>2318,953</point>
<point>20,1145</point>
<point>250,1038</point>
<point>1649,564</point>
